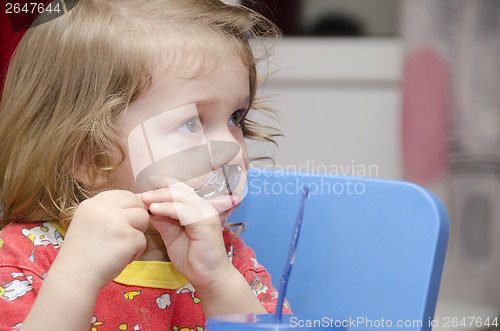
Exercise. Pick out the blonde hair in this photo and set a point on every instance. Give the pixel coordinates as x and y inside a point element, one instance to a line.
<point>70,77</point>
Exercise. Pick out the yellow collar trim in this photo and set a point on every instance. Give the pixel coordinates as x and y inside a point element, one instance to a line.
<point>155,274</point>
<point>58,227</point>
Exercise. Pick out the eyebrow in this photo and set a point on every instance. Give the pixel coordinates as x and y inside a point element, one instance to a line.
<point>210,101</point>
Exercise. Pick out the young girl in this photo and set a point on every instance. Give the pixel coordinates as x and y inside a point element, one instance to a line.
<point>86,243</point>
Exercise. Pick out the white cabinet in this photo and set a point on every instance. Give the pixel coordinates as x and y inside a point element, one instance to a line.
<point>339,103</point>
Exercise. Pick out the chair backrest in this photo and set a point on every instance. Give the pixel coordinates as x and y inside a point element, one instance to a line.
<point>370,253</point>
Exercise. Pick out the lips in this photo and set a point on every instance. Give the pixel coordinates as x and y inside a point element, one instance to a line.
<point>222,203</point>
<point>223,189</point>
<point>223,181</point>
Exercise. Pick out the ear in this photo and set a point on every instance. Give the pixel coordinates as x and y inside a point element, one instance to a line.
<point>97,170</point>
<point>90,176</point>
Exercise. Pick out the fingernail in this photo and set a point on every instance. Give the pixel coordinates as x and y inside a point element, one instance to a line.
<point>154,206</point>
<point>145,194</point>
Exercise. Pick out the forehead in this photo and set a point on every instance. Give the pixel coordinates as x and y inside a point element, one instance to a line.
<point>225,80</point>
<point>191,54</point>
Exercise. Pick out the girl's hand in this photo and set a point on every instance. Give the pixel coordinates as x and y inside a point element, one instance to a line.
<point>106,233</point>
<point>196,249</point>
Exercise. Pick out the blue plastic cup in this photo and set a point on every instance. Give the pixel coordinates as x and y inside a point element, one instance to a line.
<point>251,322</point>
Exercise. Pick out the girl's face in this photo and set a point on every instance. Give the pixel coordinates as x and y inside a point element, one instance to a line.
<point>184,129</point>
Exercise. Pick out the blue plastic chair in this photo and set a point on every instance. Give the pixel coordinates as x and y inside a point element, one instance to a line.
<point>370,253</point>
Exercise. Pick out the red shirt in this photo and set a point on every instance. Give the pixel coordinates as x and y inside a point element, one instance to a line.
<point>147,295</point>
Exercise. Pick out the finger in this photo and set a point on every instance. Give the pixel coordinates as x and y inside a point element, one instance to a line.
<point>186,214</point>
<point>140,245</point>
<point>169,228</point>
<point>172,209</point>
<point>178,192</point>
<point>121,198</point>
<point>138,218</point>
<point>159,195</point>
<point>131,200</point>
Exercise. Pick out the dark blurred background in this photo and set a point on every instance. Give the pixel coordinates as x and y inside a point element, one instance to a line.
<point>340,18</point>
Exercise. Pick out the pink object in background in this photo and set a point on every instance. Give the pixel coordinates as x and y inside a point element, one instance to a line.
<point>426,110</point>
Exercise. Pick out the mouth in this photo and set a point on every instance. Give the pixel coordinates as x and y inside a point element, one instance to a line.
<point>224,189</point>
<point>223,182</point>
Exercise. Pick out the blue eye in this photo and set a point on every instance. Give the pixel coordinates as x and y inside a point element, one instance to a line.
<point>190,126</point>
<point>237,118</point>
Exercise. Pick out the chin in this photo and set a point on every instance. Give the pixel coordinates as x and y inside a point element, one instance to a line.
<point>224,216</point>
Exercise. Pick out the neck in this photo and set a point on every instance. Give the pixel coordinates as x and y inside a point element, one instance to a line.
<point>155,248</point>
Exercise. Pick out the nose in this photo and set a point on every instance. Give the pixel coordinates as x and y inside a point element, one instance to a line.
<point>223,148</point>
<point>222,152</point>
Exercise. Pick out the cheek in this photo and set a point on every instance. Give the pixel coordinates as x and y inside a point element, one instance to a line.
<point>238,136</point>
<point>244,153</point>
<point>122,177</point>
